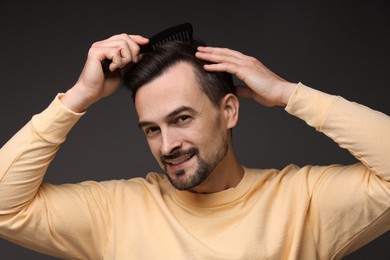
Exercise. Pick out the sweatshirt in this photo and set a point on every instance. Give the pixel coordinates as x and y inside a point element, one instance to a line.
<point>310,212</point>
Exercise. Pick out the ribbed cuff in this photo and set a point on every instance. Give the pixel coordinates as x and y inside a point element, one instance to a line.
<point>55,122</point>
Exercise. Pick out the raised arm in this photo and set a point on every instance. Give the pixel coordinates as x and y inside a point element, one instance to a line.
<point>364,141</point>
<point>39,215</point>
<point>349,205</point>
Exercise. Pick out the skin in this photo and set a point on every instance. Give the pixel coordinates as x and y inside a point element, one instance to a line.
<point>157,102</point>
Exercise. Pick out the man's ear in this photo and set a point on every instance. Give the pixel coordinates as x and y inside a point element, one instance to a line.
<point>230,106</point>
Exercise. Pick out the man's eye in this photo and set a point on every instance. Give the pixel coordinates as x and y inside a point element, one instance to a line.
<point>183,118</point>
<point>151,130</point>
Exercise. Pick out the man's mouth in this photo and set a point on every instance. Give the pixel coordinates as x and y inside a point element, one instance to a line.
<point>179,160</point>
<point>176,160</point>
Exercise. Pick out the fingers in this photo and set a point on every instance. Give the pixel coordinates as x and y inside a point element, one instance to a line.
<point>222,59</point>
<point>220,55</point>
<point>226,60</point>
<point>120,49</point>
<point>263,85</point>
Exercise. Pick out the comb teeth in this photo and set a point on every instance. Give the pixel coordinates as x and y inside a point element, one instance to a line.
<point>181,32</point>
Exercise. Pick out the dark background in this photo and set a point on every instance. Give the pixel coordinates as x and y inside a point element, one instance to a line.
<point>340,47</point>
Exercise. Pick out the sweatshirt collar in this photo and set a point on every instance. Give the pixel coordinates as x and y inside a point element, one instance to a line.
<point>216,199</point>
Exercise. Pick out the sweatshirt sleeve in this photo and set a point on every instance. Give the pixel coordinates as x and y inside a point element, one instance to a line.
<point>349,204</point>
<point>35,214</point>
<point>361,130</point>
<point>26,156</point>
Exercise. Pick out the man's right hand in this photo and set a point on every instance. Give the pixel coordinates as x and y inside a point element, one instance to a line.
<point>92,85</point>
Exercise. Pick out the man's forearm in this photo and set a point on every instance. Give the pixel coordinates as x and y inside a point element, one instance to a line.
<point>361,130</point>
<point>26,156</point>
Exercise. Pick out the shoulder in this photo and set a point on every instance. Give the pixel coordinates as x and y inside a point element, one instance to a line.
<point>152,183</point>
<point>293,176</point>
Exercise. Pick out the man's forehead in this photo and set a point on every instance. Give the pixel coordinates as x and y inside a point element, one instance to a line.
<point>175,88</point>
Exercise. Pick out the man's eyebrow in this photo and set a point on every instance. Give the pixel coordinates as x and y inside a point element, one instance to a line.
<point>178,111</point>
<point>142,124</point>
<point>168,117</point>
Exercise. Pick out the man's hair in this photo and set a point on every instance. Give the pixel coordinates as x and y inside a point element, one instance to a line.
<point>155,62</point>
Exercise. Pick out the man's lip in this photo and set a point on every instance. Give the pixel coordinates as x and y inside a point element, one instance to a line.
<point>179,160</point>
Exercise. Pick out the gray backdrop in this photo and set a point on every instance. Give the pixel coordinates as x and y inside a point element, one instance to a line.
<point>340,47</point>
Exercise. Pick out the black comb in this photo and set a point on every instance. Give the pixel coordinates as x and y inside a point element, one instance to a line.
<point>181,32</point>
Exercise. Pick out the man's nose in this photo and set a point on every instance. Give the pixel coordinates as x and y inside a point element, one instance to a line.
<point>170,142</point>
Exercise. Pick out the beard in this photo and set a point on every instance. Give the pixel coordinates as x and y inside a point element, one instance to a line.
<point>183,180</point>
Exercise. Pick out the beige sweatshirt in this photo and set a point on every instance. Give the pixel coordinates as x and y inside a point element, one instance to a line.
<point>313,212</point>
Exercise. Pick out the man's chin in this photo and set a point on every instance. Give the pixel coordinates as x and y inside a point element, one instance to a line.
<point>180,180</point>
<point>189,175</point>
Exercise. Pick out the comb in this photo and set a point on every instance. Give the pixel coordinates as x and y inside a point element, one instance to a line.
<point>181,32</point>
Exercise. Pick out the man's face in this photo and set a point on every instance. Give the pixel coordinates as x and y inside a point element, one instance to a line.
<point>185,132</point>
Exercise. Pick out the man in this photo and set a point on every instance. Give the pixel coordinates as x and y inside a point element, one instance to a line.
<point>205,205</point>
